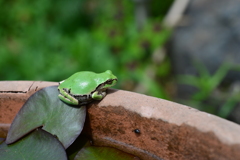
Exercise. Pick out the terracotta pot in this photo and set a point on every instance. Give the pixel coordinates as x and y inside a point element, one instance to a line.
<point>148,127</point>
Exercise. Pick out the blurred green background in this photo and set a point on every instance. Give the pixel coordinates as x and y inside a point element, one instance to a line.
<point>50,40</point>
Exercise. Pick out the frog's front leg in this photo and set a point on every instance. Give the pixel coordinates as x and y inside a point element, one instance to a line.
<point>66,97</point>
<point>98,95</point>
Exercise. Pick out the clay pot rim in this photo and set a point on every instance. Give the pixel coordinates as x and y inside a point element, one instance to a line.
<point>167,111</point>
<point>150,112</point>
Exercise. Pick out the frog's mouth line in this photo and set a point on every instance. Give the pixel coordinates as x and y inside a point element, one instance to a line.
<point>104,86</point>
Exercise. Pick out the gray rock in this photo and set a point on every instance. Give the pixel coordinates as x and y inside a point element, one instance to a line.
<point>210,35</point>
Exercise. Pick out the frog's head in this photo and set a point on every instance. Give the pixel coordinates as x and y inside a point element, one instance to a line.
<point>108,80</point>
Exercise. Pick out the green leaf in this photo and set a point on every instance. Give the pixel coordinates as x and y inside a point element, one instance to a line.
<point>79,143</point>
<point>188,80</point>
<point>103,153</point>
<point>219,75</point>
<point>44,109</point>
<point>38,145</point>
<point>229,105</point>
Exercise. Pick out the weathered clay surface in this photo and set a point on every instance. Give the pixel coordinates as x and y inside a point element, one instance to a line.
<point>13,95</point>
<point>167,130</point>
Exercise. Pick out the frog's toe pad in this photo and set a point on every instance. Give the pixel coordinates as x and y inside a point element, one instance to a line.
<point>71,101</point>
<point>98,95</point>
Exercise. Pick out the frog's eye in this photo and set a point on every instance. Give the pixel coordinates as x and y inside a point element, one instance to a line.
<point>109,82</point>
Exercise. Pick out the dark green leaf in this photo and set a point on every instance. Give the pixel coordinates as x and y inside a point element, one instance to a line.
<point>103,153</point>
<point>38,145</point>
<point>79,143</point>
<point>44,109</point>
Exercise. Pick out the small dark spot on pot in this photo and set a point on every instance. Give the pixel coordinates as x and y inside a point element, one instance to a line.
<point>153,138</point>
<point>137,131</point>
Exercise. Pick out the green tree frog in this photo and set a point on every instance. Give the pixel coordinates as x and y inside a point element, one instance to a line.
<point>83,87</point>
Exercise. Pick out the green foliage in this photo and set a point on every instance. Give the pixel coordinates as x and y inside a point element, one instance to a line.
<point>44,109</point>
<point>38,145</point>
<point>205,82</point>
<point>159,8</point>
<point>45,40</point>
<point>209,97</point>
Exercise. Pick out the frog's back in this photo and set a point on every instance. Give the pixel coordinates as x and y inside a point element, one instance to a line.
<point>83,83</point>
